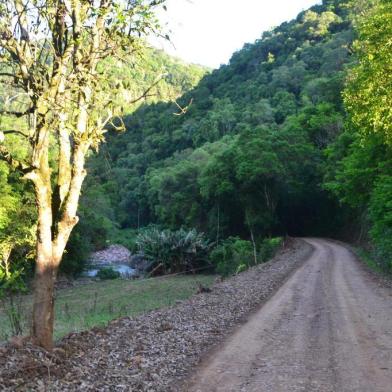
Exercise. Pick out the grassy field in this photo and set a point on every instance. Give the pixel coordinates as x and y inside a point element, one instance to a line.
<point>83,307</point>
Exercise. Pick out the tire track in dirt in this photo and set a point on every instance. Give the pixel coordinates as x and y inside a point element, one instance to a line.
<point>327,329</point>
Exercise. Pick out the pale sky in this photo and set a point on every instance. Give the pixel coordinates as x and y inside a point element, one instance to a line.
<point>207,32</point>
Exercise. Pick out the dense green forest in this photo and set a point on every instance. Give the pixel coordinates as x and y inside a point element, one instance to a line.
<point>291,137</point>
<point>149,76</point>
<point>266,146</point>
<point>248,156</point>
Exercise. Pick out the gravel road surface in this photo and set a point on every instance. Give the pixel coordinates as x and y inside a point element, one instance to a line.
<point>327,329</point>
<point>155,351</point>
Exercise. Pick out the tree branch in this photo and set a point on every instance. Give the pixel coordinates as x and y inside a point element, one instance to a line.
<point>17,114</point>
<point>7,74</point>
<point>183,110</point>
<point>146,92</point>
<point>14,131</point>
<point>16,164</point>
<point>65,168</point>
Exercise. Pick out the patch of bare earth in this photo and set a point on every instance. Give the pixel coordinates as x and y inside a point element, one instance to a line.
<point>155,351</point>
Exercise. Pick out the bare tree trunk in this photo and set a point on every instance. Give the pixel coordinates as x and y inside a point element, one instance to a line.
<point>54,228</point>
<point>254,245</point>
<point>252,237</point>
<point>218,225</point>
<point>43,308</point>
<point>5,260</point>
<point>45,269</point>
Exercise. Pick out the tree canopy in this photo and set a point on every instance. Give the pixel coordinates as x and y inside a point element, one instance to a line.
<point>53,58</point>
<point>250,144</point>
<point>369,89</point>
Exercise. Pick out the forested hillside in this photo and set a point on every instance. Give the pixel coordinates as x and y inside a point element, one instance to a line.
<point>148,76</point>
<point>247,155</point>
<point>279,141</point>
<point>264,147</point>
<point>194,170</point>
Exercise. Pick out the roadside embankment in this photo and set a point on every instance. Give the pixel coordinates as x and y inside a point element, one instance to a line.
<point>154,351</point>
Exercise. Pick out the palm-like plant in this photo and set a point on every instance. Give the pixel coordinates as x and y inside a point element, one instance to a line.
<point>175,251</point>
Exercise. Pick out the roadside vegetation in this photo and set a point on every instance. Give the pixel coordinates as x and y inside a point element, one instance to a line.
<point>234,255</point>
<point>377,265</point>
<point>184,260</point>
<point>95,304</point>
<point>291,138</point>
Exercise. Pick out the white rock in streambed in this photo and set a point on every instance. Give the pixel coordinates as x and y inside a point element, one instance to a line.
<point>114,254</point>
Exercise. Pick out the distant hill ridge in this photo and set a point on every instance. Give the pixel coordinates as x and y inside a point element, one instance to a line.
<point>246,154</point>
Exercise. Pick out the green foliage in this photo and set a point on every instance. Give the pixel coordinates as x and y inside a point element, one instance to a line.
<point>92,233</point>
<point>235,255</point>
<point>369,89</point>
<point>264,146</point>
<point>368,258</point>
<point>77,253</point>
<point>98,218</point>
<point>359,161</point>
<point>380,214</point>
<point>11,279</point>
<point>318,24</point>
<point>232,256</point>
<point>174,190</point>
<point>108,274</point>
<point>17,214</point>
<point>355,166</point>
<point>174,251</point>
<point>269,247</point>
<point>164,77</point>
<point>125,237</point>
<point>249,147</point>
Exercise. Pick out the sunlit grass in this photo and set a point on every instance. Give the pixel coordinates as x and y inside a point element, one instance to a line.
<point>87,306</point>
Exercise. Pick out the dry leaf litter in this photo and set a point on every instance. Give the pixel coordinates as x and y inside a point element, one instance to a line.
<point>153,352</point>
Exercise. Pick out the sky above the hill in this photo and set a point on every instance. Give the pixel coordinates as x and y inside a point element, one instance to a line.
<point>208,32</point>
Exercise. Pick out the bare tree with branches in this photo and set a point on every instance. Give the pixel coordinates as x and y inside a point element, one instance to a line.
<point>51,54</point>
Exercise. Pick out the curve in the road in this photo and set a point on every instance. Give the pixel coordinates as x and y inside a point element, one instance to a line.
<point>327,329</point>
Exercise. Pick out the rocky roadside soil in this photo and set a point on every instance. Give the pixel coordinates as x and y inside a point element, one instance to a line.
<point>152,352</point>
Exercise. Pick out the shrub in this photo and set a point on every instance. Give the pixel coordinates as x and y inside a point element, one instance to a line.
<point>232,256</point>
<point>268,248</point>
<point>380,213</point>
<point>125,237</point>
<point>174,251</point>
<point>76,255</point>
<point>13,271</point>
<point>108,274</point>
<point>235,255</point>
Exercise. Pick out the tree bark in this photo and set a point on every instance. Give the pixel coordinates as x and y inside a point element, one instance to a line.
<point>45,272</point>
<point>55,225</point>
<point>43,308</point>
<point>46,266</point>
<point>252,237</point>
<point>218,225</point>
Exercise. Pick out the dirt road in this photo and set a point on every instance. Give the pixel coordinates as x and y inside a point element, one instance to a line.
<point>328,328</point>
